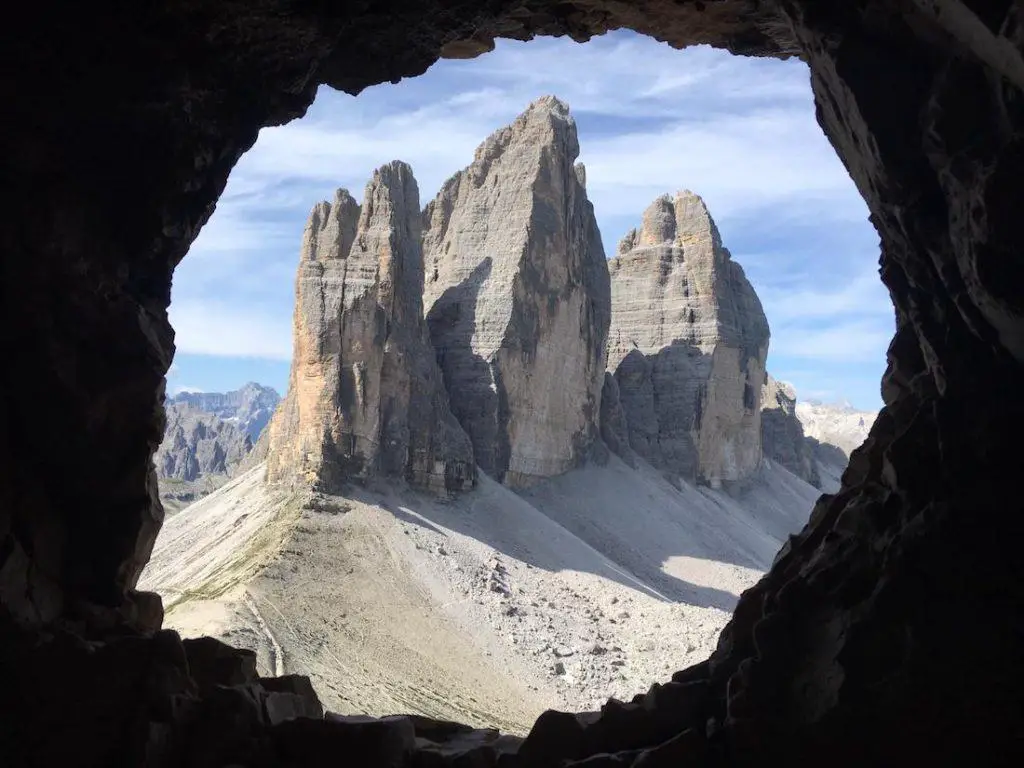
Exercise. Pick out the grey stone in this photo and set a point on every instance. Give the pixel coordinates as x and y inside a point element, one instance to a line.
<point>249,407</point>
<point>198,444</point>
<point>517,296</point>
<point>614,429</point>
<point>366,397</point>
<point>687,345</point>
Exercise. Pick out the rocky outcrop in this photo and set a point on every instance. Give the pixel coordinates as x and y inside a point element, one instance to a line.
<point>197,443</point>
<point>782,435</point>
<point>249,407</point>
<point>517,297</point>
<point>365,396</point>
<point>687,345</point>
<point>209,437</point>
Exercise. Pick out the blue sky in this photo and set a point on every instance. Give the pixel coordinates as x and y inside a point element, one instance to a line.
<point>740,132</point>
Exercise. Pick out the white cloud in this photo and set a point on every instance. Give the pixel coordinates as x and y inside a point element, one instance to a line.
<point>861,295</point>
<point>857,341</point>
<point>738,164</point>
<point>230,329</point>
<point>738,131</point>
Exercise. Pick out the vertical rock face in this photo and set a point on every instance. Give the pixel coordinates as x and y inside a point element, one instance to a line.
<point>614,430</point>
<point>782,434</point>
<point>687,345</point>
<point>365,396</point>
<point>517,291</point>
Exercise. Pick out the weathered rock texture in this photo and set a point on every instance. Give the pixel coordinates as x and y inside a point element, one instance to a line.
<point>687,345</point>
<point>365,396</point>
<point>197,443</point>
<point>782,434</point>
<point>249,407</point>
<point>887,633</point>
<point>517,297</point>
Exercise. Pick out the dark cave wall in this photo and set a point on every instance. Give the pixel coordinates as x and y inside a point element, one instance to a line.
<point>890,626</point>
<point>902,587</point>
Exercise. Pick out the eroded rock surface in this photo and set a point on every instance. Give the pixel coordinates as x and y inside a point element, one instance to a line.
<point>782,434</point>
<point>614,429</point>
<point>198,454</point>
<point>365,396</point>
<point>687,345</point>
<point>517,297</point>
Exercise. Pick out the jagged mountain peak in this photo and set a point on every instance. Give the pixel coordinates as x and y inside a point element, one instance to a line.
<point>517,297</point>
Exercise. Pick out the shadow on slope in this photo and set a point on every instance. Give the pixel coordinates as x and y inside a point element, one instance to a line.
<point>632,527</point>
<point>482,406</point>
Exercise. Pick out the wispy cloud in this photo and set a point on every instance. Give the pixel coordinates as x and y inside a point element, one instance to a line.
<point>741,132</point>
<point>855,341</point>
<point>231,329</point>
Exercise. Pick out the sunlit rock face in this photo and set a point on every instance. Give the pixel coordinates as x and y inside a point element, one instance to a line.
<point>517,298</point>
<point>687,345</point>
<point>365,396</point>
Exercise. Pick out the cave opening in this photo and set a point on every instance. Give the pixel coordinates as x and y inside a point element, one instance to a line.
<point>632,590</point>
<point>887,631</point>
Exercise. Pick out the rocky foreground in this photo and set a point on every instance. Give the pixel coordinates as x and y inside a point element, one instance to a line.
<point>487,609</point>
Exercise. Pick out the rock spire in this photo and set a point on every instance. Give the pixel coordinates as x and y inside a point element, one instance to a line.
<point>687,345</point>
<point>365,396</point>
<point>518,298</point>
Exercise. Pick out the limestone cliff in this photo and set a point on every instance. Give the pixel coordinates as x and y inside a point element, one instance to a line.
<point>517,297</point>
<point>782,434</point>
<point>365,396</point>
<point>687,345</point>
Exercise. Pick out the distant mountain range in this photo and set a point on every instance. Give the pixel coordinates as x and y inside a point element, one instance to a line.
<point>207,436</point>
<point>249,407</point>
